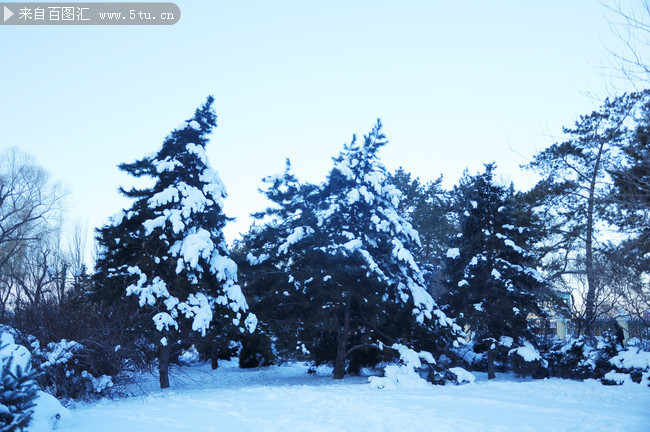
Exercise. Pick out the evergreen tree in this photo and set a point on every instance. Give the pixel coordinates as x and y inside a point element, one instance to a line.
<point>426,206</point>
<point>341,262</point>
<point>578,177</point>
<point>493,282</point>
<point>168,251</point>
<point>630,195</point>
<point>18,391</point>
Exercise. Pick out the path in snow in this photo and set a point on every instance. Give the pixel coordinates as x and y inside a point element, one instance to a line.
<point>287,399</point>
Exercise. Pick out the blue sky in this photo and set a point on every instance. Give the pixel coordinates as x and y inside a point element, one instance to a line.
<point>457,84</point>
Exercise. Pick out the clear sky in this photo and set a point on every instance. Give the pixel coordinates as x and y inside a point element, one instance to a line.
<point>457,84</point>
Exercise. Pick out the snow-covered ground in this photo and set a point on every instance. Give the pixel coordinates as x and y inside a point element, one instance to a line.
<point>286,398</point>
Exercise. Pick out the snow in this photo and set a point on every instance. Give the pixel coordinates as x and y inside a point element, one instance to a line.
<point>18,355</point>
<point>632,358</point>
<point>147,294</point>
<point>286,398</point>
<point>462,376</point>
<point>353,245</point>
<point>163,321</point>
<point>166,165</point>
<point>297,235</point>
<point>251,322</point>
<point>223,267</point>
<point>253,260</point>
<point>48,410</point>
<point>194,246</point>
<point>58,352</point>
<point>618,378</point>
<point>48,414</point>
<point>197,307</point>
<point>527,352</point>
<point>453,253</point>
<point>353,196</point>
<point>512,244</point>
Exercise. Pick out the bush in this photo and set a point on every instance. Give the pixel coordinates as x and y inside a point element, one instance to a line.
<point>630,365</point>
<point>527,361</point>
<point>599,358</point>
<point>574,359</point>
<point>256,351</point>
<point>66,367</point>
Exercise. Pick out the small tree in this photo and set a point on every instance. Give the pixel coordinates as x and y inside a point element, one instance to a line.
<point>18,389</point>
<point>168,250</point>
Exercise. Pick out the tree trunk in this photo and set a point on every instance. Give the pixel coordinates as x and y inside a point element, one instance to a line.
<point>163,366</point>
<point>214,356</point>
<point>490,364</point>
<point>341,349</point>
<point>592,284</point>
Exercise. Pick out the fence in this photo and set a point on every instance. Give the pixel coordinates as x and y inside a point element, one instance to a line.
<point>564,328</point>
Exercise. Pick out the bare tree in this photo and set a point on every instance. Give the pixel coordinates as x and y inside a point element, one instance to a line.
<point>29,203</point>
<point>631,27</point>
<point>30,212</point>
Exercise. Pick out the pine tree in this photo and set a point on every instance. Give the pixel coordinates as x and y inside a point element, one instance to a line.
<point>493,282</point>
<point>340,259</point>
<point>18,392</point>
<point>168,250</point>
<point>426,206</point>
<point>578,177</point>
<point>630,195</point>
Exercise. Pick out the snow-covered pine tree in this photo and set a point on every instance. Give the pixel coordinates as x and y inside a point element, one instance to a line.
<point>168,250</point>
<point>344,252</point>
<point>493,282</point>
<point>18,388</point>
<point>18,392</point>
<point>427,206</point>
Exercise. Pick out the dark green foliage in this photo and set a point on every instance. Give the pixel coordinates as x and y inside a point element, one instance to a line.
<point>256,350</point>
<point>573,359</point>
<point>331,272</point>
<point>426,207</point>
<point>18,391</point>
<point>585,357</point>
<point>492,278</point>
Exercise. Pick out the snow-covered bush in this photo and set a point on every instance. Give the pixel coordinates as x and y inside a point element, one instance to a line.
<point>471,358</point>
<point>599,358</point>
<point>575,358</point>
<point>630,365</point>
<point>67,370</point>
<point>415,370</point>
<point>21,403</point>
<point>526,360</point>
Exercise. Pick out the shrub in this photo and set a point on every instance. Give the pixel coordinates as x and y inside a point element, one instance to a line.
<point>527,361</point>
<point>630,365</point>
